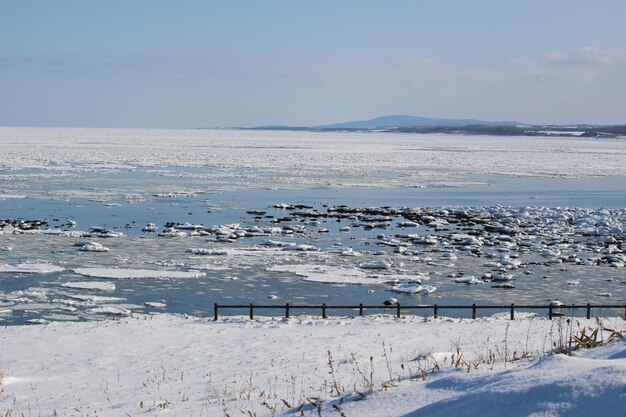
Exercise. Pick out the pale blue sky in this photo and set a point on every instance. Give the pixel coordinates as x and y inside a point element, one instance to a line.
<point>150,63</point>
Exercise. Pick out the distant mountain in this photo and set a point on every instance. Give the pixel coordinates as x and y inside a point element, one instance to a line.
<point>403,121</point>
<point>414,124</point>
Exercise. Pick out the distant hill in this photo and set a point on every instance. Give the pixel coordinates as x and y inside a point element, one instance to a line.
<point>414,124</point>
<point>404,121</point>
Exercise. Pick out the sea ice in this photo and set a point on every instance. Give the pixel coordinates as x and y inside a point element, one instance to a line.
<point>90,285</point>
<point>155,304</point>
<point>31,268</point>
<point>407,288</point>
<point>470,279</point>
<point>330,274</point>
<point>121,273</point>
<point>110,311</point>
<point>413,288</point>
<point>203,251</point>
<point>93,247</point>
<point>94,299</point>
<point>375,265</point>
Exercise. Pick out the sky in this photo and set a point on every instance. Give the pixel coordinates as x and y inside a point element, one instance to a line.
<point>178,64</point>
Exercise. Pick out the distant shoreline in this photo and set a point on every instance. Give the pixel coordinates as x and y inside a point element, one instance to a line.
<point>579,131</point>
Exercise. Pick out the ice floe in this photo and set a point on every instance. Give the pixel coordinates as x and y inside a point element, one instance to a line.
<point>92,299</point>
<point>92,247</point>
<point>155,304</point>
<point>471,279</point>
<point>413,288</point>
<point>90,285</point>
<point>375,265</point>
<point>502,285</point>
<point>150,228</point>
<point>502,277</point>
<point>101,232</point>
<point>110,311</point>
<point>207,252</point>
<point>31,268</point>
<point>331,274</point>
<point>121,273</point>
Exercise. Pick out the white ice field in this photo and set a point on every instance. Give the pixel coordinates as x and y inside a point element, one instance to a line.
<point>243,159</point>
<point>69,280</point>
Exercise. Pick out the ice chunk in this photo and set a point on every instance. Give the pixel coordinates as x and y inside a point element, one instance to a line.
<point>503,277</point>
<point>202,251</point>
<point>503,285</point>
<point>150,228</point>
<point>413,288</point>
<point>301,248</point>
<point>110,311</point>
<point>155,304</point>
<point>375,265</point>
<point>471,279</point>
<point>407,288</point>
<point>93,247</point>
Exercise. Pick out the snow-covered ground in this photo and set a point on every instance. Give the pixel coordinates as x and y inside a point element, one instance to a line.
<point>369,367</point>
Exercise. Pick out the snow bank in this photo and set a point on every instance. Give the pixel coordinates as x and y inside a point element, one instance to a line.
<point>558,386</point>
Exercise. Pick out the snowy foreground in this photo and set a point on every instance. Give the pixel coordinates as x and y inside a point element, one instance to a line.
<point>373,366</point>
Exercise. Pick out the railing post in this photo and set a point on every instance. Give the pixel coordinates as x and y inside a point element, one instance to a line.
<point>398,309</point>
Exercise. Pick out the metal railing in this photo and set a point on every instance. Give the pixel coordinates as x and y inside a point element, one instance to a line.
<point>397,308</point>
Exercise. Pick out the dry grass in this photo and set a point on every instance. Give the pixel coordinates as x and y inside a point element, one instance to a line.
<point>585,337</point>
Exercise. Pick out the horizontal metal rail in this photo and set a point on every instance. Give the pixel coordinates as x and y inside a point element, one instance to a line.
<point>435,308</point>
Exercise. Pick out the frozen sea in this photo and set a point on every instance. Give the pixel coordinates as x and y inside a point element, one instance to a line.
<point>307,218</point>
